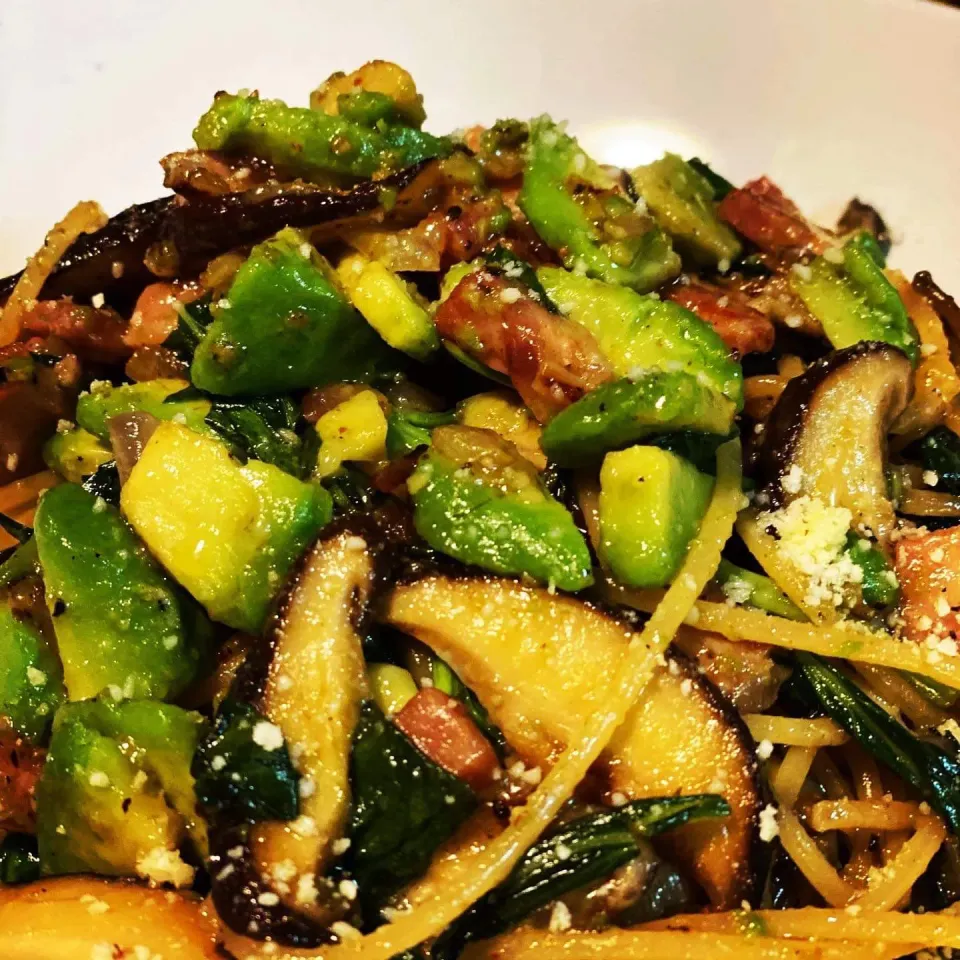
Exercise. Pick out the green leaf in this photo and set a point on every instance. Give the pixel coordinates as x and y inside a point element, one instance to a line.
<point>192,322</point>
<point>925,766</point>
<point>19,860</point>
<point>581,852</point>
<point>409,430</point>
<point>721,186</point>
<point>940,452</point>
<point>261,429</point>
<point>104,482</point>
<point>238,781</point>
<point>19,531</point>
<point>404,807</point>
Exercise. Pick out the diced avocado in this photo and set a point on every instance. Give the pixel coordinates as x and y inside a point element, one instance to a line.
<point>116,788</point>
<point>651,505</point>
<point>577,209</point>
<point>120,623</point>
<point>682,201</point>
<point>478,500</point>
<point>847,291</point>
<point>227,533</point>
<point>355,430</point>
<point>105,400</point>
<point>286,324</point>
<point>75,454</point>
<point>31,680</point>
<point>638,333</point>
<point>618,414</point>
<point>506,415</point>
<point>390,305</point>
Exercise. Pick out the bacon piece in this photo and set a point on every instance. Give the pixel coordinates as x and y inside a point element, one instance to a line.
<point>93,333</point>
<point>441,727</point>
<point>760,211</point>
<point>154,315</point>
<point>928,569</point>
<point>740,326</point>
<point>551,361</point>
<point>20,768</point>
<point>208,172</point>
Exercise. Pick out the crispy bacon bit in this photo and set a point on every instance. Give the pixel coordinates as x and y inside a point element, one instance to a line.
<point>928,569</point>
<point>760,211</point>
<point>441,727</point>
<point>154,316</point>
<point>93,333</point>
<point>551,361</point>
<point>20,767</point>
<point>729,313</point>
<point>154,363</point>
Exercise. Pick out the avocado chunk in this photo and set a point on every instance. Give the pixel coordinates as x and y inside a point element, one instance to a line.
<point>847,291</point>
<point>116,795</point>
<point>228,533</point>
<point>618,414</point>
<point>75,454</point>
<point>354,430</point>
<point>104,400</point>
<point>31,680</point>
<point>285,324</point>
<point>638,333</point>
<point>681,200</point>
<point>476,498</point>
<point>578,209</point>
<point>390,305</point>
<point>120,623</point>
<point>652,503</point>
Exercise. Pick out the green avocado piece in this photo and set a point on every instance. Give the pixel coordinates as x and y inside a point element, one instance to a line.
<point>228,533</point>
<point>104,400</point>
<point>311,144</point>
<point>116,787</point>
<point>652,503</point>
<point>620,413</point>
<point>639,333</point>
<point>75,454</point>
<point>478,500</point>
<point>682,201</point>
<point>120,623</point>
<point>578,210</point>
<point>31,680</point>
<point>286,324</point>
<point>854,300</point>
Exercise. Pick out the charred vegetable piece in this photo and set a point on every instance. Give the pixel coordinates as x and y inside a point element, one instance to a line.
<point>478,500</point>
<point>940,452</point>
<point>248,782</point>
<point>761,213</point>
<point>20,767</point>
<point>285,324</point>
<point>75,454</point>
<point>926,767</point>
<point>31,679</point>
<point>826,436</point>
<point>19,860</point>
<point>310,144</point>
<point>355,430</point>
<point>852,298</point>
<point>228,533</point>
<point>120,623</point>
<point>116,788</point>
<point>590,848</point>
<point>532,660</point>
<point>156,397</point>
<point>405,806</point>
<point>578,210</point>
<point>378,77</point>
<point>682,201</point>
<point>756,590</point>
<point>390,305</point>
<point>625,411</point>
<point>638,334</point>
<point>651,505</point>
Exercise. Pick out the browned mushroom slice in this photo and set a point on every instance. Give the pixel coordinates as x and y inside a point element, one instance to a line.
<point>539,663</point>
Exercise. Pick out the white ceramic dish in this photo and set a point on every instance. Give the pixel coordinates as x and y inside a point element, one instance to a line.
<point>829,97</point>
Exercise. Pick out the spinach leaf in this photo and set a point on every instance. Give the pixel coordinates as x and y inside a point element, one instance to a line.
<point>940,452</point>
<point>581,852</point>
<point>19,531</point>
<point>192,322</point>
<point>350,490</point>
<point>104,482</point>
<point>721,185</point>
<point>925,766</point>
<point>404,807</point>
<point>409,430</point>
<point>238,781</point>
<point>260,429</point>
<point>446,681</point>
<point>19,860</point>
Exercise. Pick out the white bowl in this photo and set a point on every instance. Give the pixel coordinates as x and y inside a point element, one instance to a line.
<point>831,98</point>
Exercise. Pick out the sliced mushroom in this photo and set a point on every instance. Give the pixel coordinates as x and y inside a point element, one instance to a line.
<point>826,437</point>
<point>309,680</point>
<point>539,663</point>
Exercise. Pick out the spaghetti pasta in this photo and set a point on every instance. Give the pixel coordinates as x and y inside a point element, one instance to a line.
<point>795,732</point>
<point>876,815</point>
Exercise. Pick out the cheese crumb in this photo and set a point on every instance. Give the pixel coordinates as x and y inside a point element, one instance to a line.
<point>99,779</point>
<point>161,865</point>
<point>268,899</point>
<point>345,931</point>
<point>340,847</point>
<point>765,749</point>
<point>101,951</point>
<point>737,591</point>
<point>769,828</point>
<point>510,295</point>
<point>97,301</point>
<point>791,482</point>
<point>563,852</point>
<point>218,762</point>
<point>267,735</point>
<point>931,478</point>
<point>306,889</point>
<point>36,677</point>
<point>560,919</point>
<point>348,889</point>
